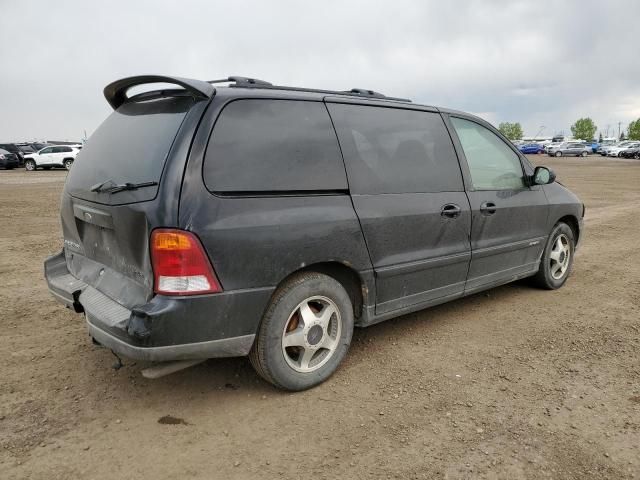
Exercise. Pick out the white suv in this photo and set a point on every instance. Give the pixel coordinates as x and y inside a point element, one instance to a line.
<point>53,156</point>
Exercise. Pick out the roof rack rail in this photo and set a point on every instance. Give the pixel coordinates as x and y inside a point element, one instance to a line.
<point>246,82</point>
<point>365,92</point>
<point>242,81</point>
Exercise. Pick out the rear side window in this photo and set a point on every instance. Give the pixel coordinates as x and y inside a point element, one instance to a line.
<point>390,150</point>
<point>273,145</point>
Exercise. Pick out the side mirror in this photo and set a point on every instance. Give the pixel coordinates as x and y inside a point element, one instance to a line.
<point>543,176</point>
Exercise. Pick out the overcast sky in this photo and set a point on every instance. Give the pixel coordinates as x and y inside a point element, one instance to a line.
<point>534,61</point>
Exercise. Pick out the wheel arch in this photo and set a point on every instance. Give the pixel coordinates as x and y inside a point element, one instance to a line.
<point>573,223</point>
<point>344,274</point>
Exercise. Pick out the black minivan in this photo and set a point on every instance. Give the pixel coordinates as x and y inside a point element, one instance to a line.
<point>236,217</point>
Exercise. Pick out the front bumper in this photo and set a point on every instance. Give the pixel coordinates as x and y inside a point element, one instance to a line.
<point>165,328</point>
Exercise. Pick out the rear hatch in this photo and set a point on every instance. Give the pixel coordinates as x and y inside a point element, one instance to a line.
<point>113,193</point>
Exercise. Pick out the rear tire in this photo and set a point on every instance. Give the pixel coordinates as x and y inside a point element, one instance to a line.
<point>557,258</point>
<point>30,166</point>
<point>558,154</point>
<point>305,332</point>
<point>67,163</point>
<point>584,154</point>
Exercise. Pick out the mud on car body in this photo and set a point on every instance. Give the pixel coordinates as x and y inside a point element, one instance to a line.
<point>244,218</point>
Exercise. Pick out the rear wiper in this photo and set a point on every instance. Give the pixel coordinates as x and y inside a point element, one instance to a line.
<point>115,188</point>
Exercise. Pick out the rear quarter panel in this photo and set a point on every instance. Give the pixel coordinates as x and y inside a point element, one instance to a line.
<point>258,241</point>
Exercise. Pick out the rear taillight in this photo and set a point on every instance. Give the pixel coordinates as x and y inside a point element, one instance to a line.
<point>180,265</point>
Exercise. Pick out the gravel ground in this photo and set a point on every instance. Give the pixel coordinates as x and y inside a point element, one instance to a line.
<point>511,383</point>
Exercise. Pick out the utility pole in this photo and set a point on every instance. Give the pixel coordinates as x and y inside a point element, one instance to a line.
<point>619,123</point>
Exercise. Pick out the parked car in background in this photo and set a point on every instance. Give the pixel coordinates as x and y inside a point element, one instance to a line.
<point>38,146</point>
<point>530,148</point>
<point>163,254</point>
<point>551,145</point>
<point>593,144</point>
<point>608,146</point>
<point>26,149</point>
<point>569,148</point>
<point>51,157</point>
<point>8,160</point>
<point>633,152</point>
<point>604,149</point>
<point>622,146</point>
<point>13,148</point>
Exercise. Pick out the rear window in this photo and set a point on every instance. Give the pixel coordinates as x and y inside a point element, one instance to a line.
<point>390,150</point>
<point>131,145</point>
<point>273,145</point>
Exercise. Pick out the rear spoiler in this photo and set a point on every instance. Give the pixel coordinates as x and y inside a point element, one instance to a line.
<point>116,92</point>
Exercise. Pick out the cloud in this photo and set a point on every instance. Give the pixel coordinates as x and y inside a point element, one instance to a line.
<point>537,62</point>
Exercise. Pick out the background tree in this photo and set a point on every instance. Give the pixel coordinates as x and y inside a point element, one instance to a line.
<point>584,129</point>
<point>513,131</point>
<point>600,138</point>
<point>634,130</point>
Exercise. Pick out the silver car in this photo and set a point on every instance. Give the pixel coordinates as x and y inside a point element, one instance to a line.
<point>569,148</point>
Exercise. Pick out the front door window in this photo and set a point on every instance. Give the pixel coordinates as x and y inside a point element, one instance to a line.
<point>492,164</point>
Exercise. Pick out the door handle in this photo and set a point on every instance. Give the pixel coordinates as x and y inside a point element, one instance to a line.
<point>451,210</point>
<point>488,208</point>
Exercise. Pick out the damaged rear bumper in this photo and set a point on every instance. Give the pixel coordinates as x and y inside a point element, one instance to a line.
<point>225,347</point>
<point>165,328</point>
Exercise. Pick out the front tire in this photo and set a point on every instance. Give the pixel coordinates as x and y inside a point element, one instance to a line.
<point>30,166</point>
<point>557,258</point>
<point>67,164</point>
<point>558,154</point>
<point>584,154</point>
<point>305,332</point>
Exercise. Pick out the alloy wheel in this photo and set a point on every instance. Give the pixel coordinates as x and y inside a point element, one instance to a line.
<point>311,334</point>
<point>559,257</point>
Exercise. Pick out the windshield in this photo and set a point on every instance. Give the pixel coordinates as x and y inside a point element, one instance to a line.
<point>130,146</point>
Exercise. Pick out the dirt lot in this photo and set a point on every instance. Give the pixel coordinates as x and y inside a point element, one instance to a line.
<point>511,383</point>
